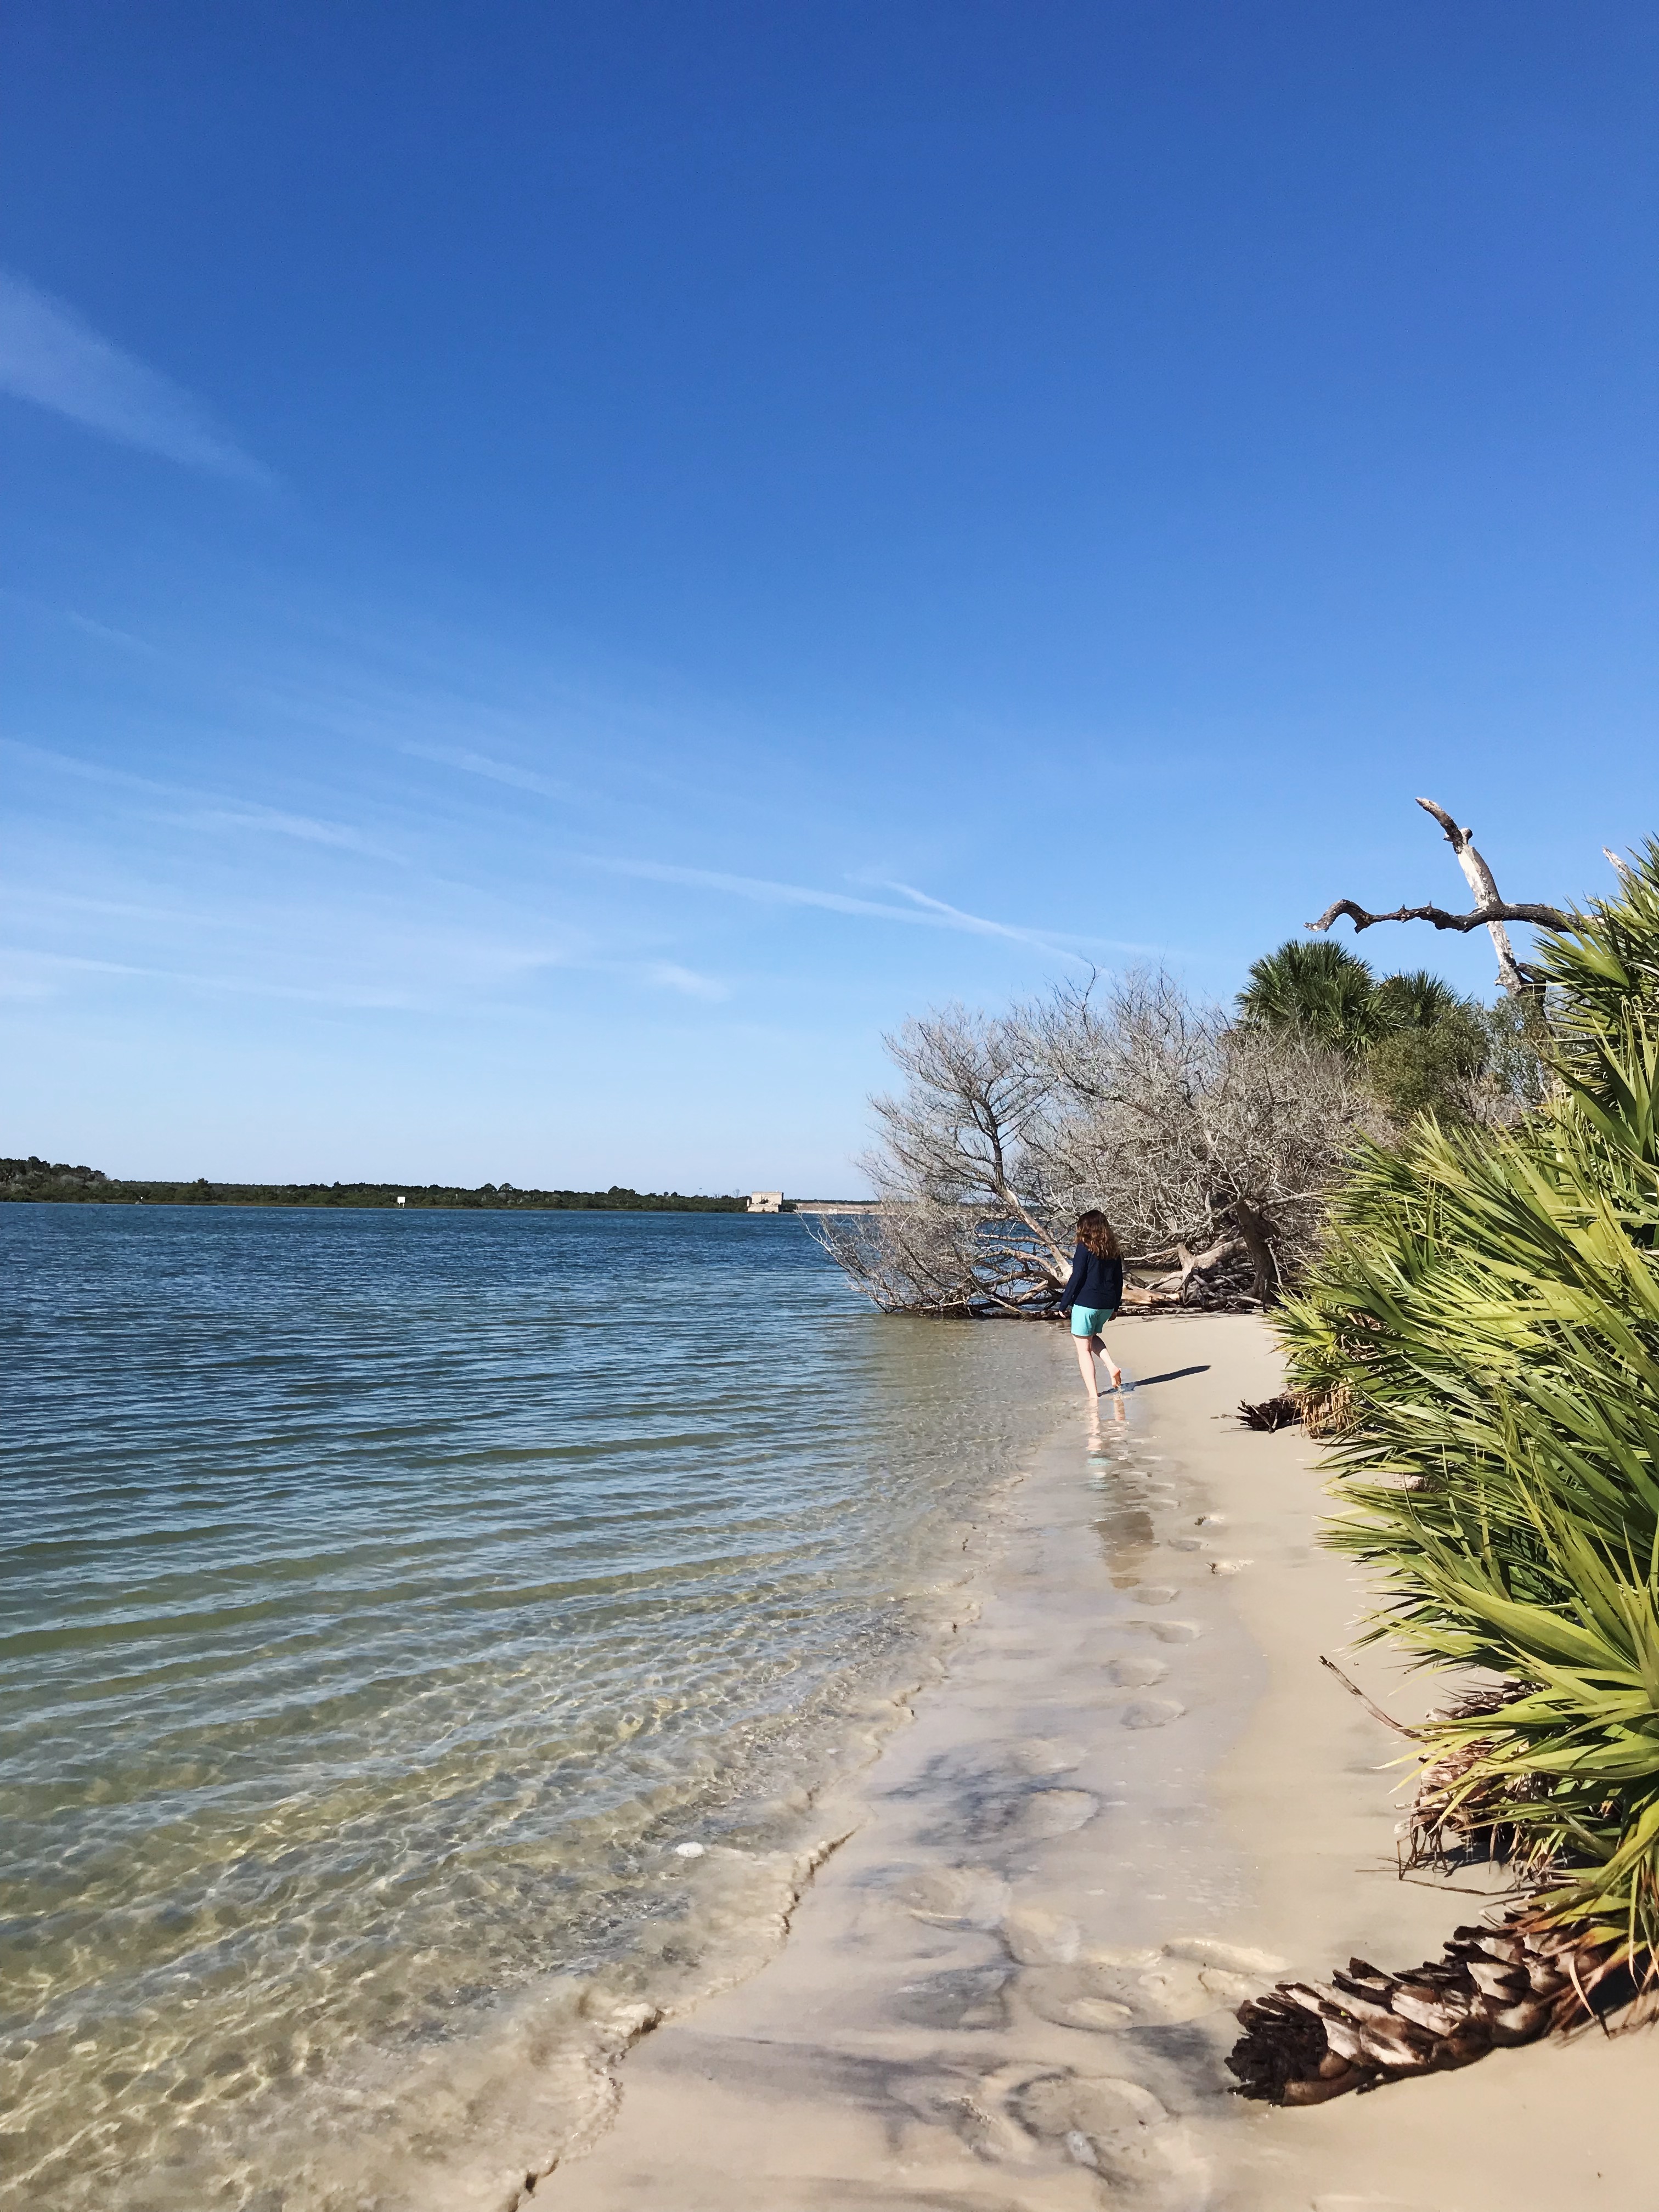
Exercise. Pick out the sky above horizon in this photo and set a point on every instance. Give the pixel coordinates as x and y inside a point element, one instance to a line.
<point>568,568</point>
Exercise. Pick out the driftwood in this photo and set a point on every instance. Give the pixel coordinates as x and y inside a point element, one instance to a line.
<point>1491,911</point>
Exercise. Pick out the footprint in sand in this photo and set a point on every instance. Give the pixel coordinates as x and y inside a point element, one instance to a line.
<point>956,1897</point>
<point>1137,1674</point>
<point>1152,1712</point>
<point>1137,1990</point>
<point>971,2106</point>
<point>1155,1593</point>
<point>1068,2001</point>
<point>1048,1754</point>
<point>1052,1813</point>
<point>1037,1938</point>
<point>972,1996</point>
<point>994,1816</point>
<point>1118,2128</point>
<point>1167,1631</point>
<point>1189,1978</point>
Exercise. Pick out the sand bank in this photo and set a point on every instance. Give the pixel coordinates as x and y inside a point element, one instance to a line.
<point>1136,1796</point>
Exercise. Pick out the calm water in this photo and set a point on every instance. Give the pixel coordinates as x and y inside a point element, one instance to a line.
<point>384,1597</point>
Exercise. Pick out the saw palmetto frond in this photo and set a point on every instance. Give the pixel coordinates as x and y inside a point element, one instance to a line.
<point>1485,1315</point>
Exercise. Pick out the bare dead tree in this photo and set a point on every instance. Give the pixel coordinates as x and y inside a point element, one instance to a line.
<point>1193,1132</point>
<point>1491,912</point>
<point>1209,1148</point>
<point>966,1224</point>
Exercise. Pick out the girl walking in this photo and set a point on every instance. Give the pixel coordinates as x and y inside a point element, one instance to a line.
<point>1093,1293</point>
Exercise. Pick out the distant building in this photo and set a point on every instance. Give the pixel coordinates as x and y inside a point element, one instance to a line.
<point>403,1202</point>
<point>766,1201</point>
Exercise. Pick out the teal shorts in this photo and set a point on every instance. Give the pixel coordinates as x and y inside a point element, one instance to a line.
<point>1088,1321</point>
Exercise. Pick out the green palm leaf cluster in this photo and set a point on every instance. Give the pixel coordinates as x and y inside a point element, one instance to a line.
<point>1484,1319</point>
<point>1419,1047</point>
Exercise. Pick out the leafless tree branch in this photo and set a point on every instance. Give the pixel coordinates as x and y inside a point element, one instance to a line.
<point>1542,917</point>
<point>1490,912</point>
<point>1209,1148</point>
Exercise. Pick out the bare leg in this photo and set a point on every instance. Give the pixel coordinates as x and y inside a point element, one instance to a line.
<point>1098,1344</point>
<point>1084,1348</point>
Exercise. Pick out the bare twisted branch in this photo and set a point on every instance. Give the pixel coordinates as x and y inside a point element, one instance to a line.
<point>1542,917</point>
<point>1490,912</point>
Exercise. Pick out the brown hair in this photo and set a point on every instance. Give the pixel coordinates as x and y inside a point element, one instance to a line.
<point>1094,1229</point>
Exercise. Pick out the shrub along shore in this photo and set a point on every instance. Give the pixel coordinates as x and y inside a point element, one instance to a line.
<point>1480,1333</point>
<point>34,1180</point>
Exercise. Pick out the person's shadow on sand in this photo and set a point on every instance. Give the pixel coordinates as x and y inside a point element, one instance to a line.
<point>1145,1382</point>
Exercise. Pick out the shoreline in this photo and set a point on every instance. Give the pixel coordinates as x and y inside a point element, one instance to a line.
<point>1013,1983</point>
<point>538,2078</point>
<point>1134,1799</point>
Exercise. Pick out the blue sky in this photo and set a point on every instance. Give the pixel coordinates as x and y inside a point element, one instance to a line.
<point>567,567</point>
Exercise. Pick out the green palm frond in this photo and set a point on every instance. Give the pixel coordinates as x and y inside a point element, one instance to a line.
<point>1486,1312</point>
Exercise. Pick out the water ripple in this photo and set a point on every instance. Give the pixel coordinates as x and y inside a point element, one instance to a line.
<point>382,1595</point>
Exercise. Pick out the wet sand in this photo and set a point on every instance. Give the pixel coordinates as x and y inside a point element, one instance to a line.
<point>1135,1798</point>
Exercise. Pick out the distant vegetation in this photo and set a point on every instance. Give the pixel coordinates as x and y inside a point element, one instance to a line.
<point>36,1180</point>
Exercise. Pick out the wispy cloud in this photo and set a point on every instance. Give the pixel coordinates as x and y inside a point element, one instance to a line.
<point>279,824</point>
<point>923,912</point>
<point>207,811</point>
<point>762,889</point>
<point>472,763</point>
<point>669,976</point>
<point>50,356</point>
<point>1059,942</point>
<point>25,974</point>
<point>954,917</point>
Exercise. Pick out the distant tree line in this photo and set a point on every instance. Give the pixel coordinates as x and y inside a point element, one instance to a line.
<point>34,1179</point>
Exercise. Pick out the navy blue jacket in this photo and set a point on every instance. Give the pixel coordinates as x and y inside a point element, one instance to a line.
<point>1094,1281</point>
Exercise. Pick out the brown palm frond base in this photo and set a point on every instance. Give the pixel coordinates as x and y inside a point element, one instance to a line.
<point>1457,1811</point>
<point>1280,1412</point>
<point>1305,2042</point>
<point>1327,1413</point>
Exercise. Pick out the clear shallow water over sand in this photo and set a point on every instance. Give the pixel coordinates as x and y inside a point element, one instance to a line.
<point>384,1597</point>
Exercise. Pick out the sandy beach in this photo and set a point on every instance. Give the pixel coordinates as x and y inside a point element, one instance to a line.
<point>1135,1798</point>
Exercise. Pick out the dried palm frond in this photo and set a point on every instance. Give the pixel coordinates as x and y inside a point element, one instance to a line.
<point>1327,1413</point>
<point>1455,1812</point>
<point>1280,1413</point>
<point>1306,2042</point>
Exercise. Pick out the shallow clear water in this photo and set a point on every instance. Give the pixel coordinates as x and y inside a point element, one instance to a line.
<point>384,1596</point>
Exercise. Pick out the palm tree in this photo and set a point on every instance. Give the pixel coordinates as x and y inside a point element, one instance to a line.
<point>1433,1048</point>
<point>1321,991</point>
<point>1484,1331</point>
<point>1417,1000</point>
